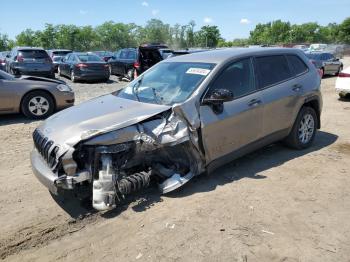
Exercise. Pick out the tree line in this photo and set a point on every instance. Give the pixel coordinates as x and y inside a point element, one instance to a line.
<point>113,36</point>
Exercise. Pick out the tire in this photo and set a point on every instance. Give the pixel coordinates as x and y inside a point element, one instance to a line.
<point>130,74</point>
<point>302,135</point>
<point>322,72</point>
<point>37,105</point>
<point>72,76</point>
<point>14,72</point>
<point>339,70</point>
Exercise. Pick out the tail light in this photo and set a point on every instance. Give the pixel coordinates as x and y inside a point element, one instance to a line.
<point>81,65</point>
<point>137,65</point>
<point>1,61</point>
<point>20,58</point>
<point>342,74</point>
<point>313,62</point>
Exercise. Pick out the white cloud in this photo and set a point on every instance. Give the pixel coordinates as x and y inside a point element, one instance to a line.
<point>155,12</point>
<point>144,3</point>
<point>208,20</point>
<point>83,12</point>
<point>245,21</point>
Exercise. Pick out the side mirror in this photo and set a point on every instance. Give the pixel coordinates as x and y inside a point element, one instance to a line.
<point>217,98</point>
<point>113,57</point>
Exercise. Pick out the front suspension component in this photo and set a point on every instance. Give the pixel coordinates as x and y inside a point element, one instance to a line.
<point>134,183</point>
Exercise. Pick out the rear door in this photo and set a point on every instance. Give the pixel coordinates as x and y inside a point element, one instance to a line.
<point>281,90</point>
<point>240,122</point>
<point>64,64</point>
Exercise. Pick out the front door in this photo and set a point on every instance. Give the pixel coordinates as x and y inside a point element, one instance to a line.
<point>240,122</point>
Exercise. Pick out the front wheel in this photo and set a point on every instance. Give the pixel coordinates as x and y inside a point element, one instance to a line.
<point>59,71</point>
<point>37,105</point>
<point>304,129</point>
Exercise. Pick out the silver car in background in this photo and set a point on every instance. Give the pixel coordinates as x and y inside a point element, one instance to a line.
<point>185,116</point>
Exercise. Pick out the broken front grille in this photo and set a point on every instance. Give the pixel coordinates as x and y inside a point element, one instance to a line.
<point>43,145</point>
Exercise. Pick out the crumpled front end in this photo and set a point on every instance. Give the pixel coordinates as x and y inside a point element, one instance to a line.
<point>162,149</point>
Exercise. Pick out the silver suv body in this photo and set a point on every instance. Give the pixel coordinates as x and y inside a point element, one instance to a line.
<point>183,117</point>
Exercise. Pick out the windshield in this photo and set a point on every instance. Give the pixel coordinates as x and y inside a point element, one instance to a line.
<point>89,58</point>
<point>167,83</point>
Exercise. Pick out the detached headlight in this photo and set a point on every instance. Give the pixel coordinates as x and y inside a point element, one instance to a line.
<point>64,88</point>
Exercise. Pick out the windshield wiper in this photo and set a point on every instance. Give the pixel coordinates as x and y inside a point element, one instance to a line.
<point>156,96</point>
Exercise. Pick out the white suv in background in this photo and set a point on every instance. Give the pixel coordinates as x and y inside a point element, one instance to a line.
<point>342,85</point>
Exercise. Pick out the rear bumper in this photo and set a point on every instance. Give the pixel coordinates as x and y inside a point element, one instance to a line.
<point>92,75</point>
<point>343,91</point>
<point>35,72</point>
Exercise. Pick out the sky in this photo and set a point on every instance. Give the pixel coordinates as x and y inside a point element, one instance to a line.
<point>235,18</point>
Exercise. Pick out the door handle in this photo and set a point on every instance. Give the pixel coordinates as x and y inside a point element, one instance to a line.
<point>254,102</point>
<point>297,87</point>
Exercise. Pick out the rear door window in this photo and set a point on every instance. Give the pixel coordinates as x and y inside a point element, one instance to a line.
<point>298,66</point>
<point>272,70</point>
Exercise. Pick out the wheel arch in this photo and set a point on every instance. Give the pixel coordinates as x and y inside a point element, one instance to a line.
<point>41,90</point>
<point>314,103</point>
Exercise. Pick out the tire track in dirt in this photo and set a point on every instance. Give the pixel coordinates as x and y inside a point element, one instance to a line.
<point>40,234</point>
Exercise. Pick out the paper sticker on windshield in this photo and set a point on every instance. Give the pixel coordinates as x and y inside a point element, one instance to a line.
<point>198,71</point>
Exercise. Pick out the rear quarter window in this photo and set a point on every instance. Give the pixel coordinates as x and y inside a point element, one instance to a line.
<point>298,66</point>
<point>272,70</point>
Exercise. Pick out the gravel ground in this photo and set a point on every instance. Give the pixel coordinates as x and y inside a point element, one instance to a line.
<point>275,204</point>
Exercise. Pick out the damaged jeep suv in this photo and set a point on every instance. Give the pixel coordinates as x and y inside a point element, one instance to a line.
<point>185,116</point>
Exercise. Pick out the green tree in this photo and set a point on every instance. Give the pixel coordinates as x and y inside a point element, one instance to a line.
<point>5,43</point>
<point>344,31</point>
<point>208,36</point>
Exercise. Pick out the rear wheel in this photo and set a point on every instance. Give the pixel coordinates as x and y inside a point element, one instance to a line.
<point>130,74</point>
<point>304,129</point>
<point>37,105</point>
<point>339,70</point>
<point>322,72</point>
<point>72,76</point>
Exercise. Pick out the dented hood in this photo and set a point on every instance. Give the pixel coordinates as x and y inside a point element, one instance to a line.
<point>96,116</point>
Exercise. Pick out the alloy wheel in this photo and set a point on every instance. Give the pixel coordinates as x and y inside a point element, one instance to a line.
<point>306,128</point>
<point>38,106</point>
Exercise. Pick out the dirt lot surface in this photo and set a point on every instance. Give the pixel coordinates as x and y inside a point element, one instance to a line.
<point>276,204</point>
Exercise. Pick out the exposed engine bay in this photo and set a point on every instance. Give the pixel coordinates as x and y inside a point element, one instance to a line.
<point>114,164</point>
